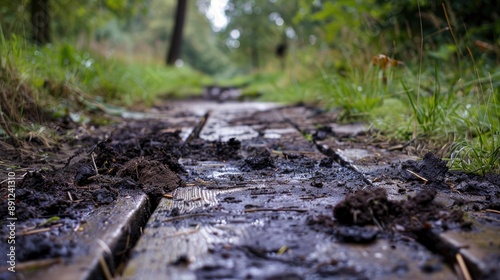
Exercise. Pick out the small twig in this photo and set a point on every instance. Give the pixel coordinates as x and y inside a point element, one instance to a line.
<point>70,197</point>
<point>492,211</point>
<point>29,265</point>
<point>105,268</point>
<point>275,209</point>
<point>401,146</point>
<point>93,161</point>
<point>463,267</point>
<point>195,133</point>
<point>418,176</point>
<point>375,221</point>
<point>35,231</point>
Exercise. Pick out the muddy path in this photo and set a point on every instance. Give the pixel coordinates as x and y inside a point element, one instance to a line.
<point>204,190</point>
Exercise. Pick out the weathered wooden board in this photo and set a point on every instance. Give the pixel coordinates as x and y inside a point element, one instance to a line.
<point>479,247</point>
<point>108,232</point>
<point>232,224</point>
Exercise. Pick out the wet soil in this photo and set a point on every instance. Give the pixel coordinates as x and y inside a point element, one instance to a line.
<point>150,156</point>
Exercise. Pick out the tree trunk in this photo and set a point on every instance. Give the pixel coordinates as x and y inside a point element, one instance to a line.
<point>174,51</point>
<point>40,21</point>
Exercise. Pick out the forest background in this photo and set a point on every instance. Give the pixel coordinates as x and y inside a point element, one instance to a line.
<point>424,73</point>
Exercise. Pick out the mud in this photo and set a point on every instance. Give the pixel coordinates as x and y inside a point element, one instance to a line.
<point>201,150</point>
<point>430,169</point>
<point>260,161</point>
<point>372,207</point>
<point>133,158</point>
<point>149,156</point>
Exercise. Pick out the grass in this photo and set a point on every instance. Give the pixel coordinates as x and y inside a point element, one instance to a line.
<point>456,115</point>
<point>40,84</point>
<point>357,94</point>
<point>477,150</point>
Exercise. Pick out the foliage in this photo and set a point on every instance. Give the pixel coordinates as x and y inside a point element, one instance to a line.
<point>59,81</point>
<point>437,97</point>
<point>70,18</point>
<point>255,28</point>
<point>357,94</point>
<point>445,95</point>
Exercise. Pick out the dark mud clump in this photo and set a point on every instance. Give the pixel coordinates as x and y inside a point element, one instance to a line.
<point>201,150</point>
<point>83,174</point>
<point>431,168</point>
<point>134,158</point>
<point>228,150</point>
<point>362,207</point>
<point>155,177</point>
<point>104,196</point>
<point>260,161</point>
<point>372,207</point>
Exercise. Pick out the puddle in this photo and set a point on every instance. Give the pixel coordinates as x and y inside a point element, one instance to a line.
<point>225,172</point>
<point>353,154</point>
<point>219,132</point>
<point>276,133</point>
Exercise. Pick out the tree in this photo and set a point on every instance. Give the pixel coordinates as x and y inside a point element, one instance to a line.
<point>256,28</point>
<point>40,21</point>
<point>176,41</point>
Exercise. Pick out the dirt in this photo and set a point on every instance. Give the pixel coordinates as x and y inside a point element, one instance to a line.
<point>134,158</point>
<point>144,156</point>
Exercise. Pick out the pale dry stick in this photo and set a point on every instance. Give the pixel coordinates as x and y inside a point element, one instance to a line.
<point>492,211</point>
<point>93,162</point>
<point>104,266</point>
<point>418,176</point>
<point>29,265</point>
<point>40,230</point>
<point>463,267</point>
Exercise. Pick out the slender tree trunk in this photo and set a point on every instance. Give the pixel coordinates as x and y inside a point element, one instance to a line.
<point>40,21</point>
<point>174,52</point>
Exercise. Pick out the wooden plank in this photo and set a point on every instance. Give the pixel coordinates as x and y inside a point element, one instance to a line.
<point>479,247</point>
<point>109,229</point>
<point>256,226</point>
